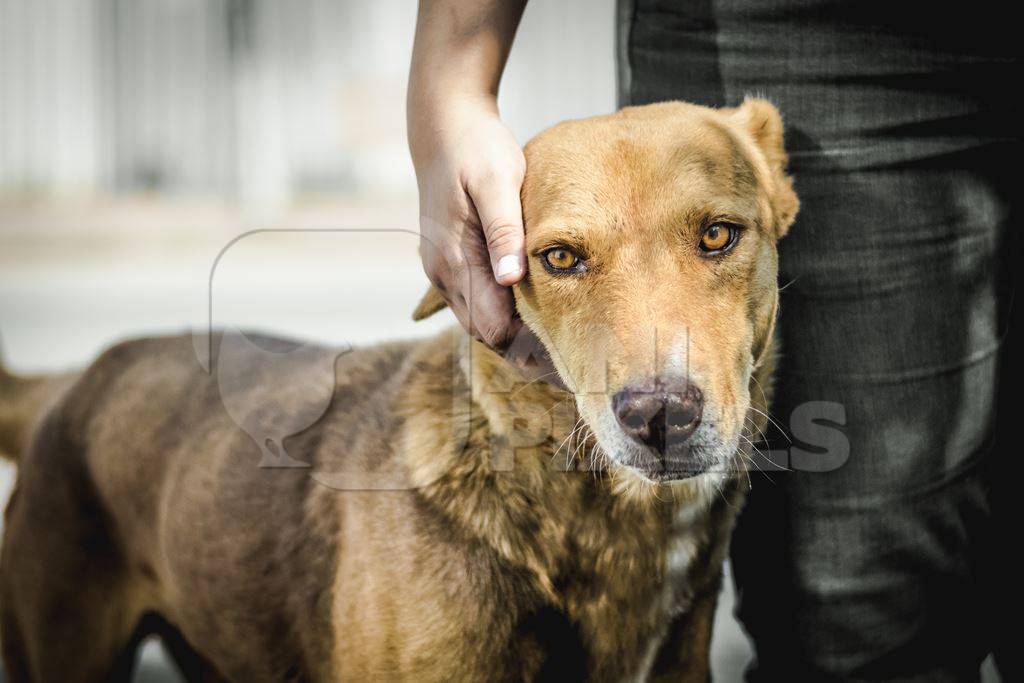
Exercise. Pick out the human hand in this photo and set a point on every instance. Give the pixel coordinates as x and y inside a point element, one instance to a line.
<point>469,170</point>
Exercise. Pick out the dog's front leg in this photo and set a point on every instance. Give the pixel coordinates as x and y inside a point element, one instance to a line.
<point>684,657</point>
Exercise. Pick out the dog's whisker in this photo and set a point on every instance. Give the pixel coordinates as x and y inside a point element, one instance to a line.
<point>532,382</point>
<point>755,430</point>
<point>654,489</point>
<point>721,494</point>
<point>771,420</point>
<point>566,439</point>
<point>738,458</point>
<point>570,451</point>
<point>582,443</point>
<point>556,405</point>
<point>766,402</point>
<point>765,456</point>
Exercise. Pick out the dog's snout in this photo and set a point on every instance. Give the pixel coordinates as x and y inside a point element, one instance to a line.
<point>660,416</point>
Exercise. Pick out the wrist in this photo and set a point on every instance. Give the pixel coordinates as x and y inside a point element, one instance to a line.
<point>436,111</point>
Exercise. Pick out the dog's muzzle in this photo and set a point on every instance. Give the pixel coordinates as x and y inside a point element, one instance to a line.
<point>662,415</point>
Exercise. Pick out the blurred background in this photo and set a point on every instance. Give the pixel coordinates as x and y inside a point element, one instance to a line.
<point>139,137</point>
<point>142,139</point>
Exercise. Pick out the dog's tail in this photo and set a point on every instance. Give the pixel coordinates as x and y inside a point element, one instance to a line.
<point>23,401</point>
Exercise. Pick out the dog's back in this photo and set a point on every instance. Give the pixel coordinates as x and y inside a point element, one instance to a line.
<point>143,481</point>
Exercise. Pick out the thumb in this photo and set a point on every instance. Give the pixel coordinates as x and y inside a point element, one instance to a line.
<point>501,217</point>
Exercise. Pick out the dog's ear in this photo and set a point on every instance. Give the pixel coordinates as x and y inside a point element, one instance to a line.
<point>762,121</point>
<point>431,303</point>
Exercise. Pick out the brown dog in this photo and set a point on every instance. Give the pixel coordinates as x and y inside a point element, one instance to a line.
<point>458,523</point>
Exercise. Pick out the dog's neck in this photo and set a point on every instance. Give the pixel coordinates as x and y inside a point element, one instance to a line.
<point>487,447</point>
<point>525,415</point>
<point>488,462</point>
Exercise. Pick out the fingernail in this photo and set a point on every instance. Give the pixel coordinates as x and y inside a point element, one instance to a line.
<point>507,265</point>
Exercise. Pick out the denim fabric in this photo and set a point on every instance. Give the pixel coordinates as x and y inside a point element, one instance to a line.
<point>904,138</point>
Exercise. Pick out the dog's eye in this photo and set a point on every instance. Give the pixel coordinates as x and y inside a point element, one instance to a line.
<point>561,260</point>
<point>718,238</point>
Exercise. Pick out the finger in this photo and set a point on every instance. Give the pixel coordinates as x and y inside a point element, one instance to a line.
<point>501,217</point>
<point>456,279</point>
<point>492,316</point>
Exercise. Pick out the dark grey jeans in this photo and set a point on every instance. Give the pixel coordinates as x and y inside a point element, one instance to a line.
<point>897,561</point>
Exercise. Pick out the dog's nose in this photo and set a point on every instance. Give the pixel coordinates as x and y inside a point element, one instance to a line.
<point>659,416</point>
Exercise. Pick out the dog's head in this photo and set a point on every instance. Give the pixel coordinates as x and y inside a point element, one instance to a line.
<point>651,243</point>
<point>651,249</point>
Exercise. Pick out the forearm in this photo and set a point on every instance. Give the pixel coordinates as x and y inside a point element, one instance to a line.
<point>469,165</point>
<point>459,53</point>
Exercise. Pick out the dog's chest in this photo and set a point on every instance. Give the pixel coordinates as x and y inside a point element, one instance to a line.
<point>688,557</point>
<point>640,580</point>
<point>687,553</point>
